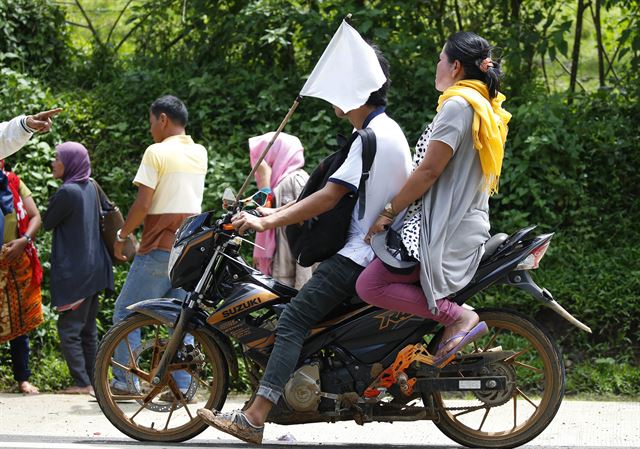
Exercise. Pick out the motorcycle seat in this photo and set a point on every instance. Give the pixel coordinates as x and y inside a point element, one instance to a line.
<point>491,245</point>
<point>345,307</point>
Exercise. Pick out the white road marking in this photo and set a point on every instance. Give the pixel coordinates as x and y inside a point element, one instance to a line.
<point>48,445</point>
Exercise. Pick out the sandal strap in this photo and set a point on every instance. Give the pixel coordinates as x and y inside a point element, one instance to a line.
<point>460,334</point>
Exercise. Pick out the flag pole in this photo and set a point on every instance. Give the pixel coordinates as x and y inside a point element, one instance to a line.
<point>273,139</point>
<point>266,150</point>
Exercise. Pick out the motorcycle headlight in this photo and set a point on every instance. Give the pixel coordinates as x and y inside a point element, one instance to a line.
<point>175,254</point>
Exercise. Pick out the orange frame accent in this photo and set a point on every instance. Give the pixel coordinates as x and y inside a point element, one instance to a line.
<point>404,359</point>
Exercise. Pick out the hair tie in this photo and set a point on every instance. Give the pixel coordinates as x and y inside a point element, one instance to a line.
<point>485,64</point>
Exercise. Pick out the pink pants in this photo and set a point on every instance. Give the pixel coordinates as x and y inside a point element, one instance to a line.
<point>401,292</point>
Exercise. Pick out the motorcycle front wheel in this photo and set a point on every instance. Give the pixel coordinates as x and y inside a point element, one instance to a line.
<point>198,378</point>
<point>535,386</point>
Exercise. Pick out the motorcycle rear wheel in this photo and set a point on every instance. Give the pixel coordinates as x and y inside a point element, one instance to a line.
<point>150,417</point>
<point>536,379</point>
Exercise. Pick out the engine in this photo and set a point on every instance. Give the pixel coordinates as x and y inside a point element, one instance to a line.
<point>302,391</point>
<point>316,385</point>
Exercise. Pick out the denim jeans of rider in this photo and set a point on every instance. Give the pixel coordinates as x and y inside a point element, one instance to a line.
<point>147,279</point>
<point>332,283</point>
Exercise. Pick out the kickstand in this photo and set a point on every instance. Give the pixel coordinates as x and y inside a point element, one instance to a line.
<point>432,407</point>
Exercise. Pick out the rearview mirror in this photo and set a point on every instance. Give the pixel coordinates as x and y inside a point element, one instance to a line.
<point>262,198</point>
<point>228,198</point>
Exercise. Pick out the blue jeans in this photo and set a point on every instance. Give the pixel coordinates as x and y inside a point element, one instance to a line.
<point>332,283</point>
<point>147,279</point>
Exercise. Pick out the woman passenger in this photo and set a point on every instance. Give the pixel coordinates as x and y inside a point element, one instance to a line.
<point>457,167</point>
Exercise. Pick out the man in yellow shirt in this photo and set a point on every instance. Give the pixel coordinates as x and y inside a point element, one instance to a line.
<point>170,183</point>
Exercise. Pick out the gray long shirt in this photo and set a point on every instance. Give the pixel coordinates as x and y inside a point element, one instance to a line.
<point>446,229</point>
<point>80,264</point>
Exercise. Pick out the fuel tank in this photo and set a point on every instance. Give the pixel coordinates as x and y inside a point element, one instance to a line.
<point>244,298</point>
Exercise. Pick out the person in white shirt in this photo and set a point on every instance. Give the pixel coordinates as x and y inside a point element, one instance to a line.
<point>13,135</point>
<point>17,131</point>
<point>335,278</point>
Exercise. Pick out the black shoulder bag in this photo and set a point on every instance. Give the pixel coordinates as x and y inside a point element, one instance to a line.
<point>323,236</point>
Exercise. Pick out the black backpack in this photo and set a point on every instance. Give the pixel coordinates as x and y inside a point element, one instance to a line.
<point>323,236</point>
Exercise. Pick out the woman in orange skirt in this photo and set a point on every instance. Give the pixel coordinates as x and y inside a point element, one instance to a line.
<point>20,275</point>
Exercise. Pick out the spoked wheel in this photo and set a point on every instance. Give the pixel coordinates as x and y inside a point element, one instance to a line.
<point>535,386</point>
<point>165,412</point>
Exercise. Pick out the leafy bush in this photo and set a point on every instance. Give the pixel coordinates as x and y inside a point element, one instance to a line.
<point>604,377</point>
<point>33,37</point>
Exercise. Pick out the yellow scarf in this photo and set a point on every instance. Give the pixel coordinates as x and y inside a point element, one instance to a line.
<point>489,126</point>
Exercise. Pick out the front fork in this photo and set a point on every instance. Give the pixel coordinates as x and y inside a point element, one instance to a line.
<point>180,329</point>
<point>186,314</point>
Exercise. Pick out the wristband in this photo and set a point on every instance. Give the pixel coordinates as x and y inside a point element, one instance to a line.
<point>386,215</point>
<point>26,127</point>
<point>29,239</point>
<point>119,238</point>
<point>388,211</point>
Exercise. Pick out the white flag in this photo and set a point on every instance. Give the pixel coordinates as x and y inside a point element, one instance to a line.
<point>347,73</point>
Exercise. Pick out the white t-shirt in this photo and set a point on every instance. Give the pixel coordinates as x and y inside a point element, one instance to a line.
<point>390,170</point>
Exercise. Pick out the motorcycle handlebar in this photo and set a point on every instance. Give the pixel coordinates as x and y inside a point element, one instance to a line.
<point>255,212</point>
<point>226,225</point>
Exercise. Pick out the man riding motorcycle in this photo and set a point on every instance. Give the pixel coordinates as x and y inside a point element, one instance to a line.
<point>335,279</point>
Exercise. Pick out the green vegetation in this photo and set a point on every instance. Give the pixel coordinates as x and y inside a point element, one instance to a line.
<point>571,158</point>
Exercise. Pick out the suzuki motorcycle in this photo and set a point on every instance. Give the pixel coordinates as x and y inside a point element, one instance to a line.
<point>359,363</point>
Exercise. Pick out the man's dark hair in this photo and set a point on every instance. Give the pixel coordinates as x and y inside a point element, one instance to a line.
<point>172,107</point>
<point>379,97</point>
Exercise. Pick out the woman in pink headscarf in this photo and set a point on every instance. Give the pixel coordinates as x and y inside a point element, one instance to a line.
<point>281,171</point>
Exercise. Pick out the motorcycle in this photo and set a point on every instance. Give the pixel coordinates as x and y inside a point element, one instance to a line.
<point>359,363</point>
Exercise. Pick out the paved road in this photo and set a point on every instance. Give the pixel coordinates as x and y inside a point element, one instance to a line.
<point>75,422</point>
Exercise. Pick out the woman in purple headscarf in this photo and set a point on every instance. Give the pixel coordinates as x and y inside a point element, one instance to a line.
<point>80,264</point>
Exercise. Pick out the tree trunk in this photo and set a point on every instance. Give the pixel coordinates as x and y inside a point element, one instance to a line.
<point>95,34</point>
<point>575,56</point>
<point>598,25</point>
<point>440,20</point>
<point>506,14</point>
<point>515,11</point>
<point>544,72</point>
<point>458,15</point>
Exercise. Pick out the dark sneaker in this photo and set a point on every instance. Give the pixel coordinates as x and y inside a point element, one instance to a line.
<point>118,391</point>
<point>168,396</point>
<point>123,394</point>
<point>234,423</point>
